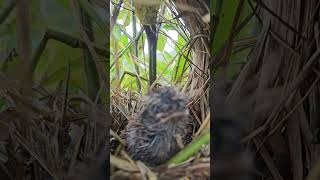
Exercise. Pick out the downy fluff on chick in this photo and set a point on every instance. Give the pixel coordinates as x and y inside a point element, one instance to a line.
<point>151,134</point>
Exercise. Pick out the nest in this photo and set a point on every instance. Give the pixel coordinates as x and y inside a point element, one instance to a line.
<point>142,121</point>
<point>126,104</point>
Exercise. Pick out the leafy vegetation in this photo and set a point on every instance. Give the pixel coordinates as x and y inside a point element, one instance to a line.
<point>51,66</point>
<point>129,54</point>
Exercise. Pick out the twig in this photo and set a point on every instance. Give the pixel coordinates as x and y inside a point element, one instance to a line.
<point>92,76</point>
<point>7,10</point>
<point>24,67</point>
<point>115,14</point>
<point>132,74</point>
<point>66,39</point>
<point>135,44</point>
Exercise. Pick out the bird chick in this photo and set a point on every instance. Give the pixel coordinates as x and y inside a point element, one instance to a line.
<point>152,133</point>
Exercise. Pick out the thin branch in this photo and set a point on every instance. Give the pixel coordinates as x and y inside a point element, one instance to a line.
<point>121,53</point>
<point>90,69</point>
<point>7,10</point>
<point>133,75</point>
<point>38,52</point>
<point>66,39</point>
<point>24,68</point>
<point>135,45</point>
<point>115,14</point>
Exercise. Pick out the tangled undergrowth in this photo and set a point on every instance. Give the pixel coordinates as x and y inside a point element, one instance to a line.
<point>52,135</point>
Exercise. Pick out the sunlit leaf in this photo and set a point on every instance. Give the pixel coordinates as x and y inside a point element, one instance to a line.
<point>161,42</point>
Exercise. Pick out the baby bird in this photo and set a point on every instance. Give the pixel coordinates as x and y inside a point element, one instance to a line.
<point>151,134</point>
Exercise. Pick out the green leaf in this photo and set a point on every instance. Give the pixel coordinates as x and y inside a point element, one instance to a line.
<point>127,19</point>
<point>191,148</point>
<point>161,42</point>
<point>59,74</point>
<point>181,41</point>
<point>225,23</point>
<point>65,3</point>
<point>167,55</point>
